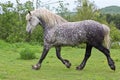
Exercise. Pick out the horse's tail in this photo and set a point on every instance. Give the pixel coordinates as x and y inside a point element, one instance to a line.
<point>107,36</point>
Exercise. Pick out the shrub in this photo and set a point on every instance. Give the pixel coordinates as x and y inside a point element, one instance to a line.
<point>114,33</point>
<point>27,54</point>
<point>115,45</point>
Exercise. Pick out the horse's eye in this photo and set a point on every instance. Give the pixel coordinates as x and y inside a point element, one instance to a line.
<point>29,20</point>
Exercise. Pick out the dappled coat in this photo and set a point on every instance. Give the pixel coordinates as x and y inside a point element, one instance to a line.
<point>73,33</point>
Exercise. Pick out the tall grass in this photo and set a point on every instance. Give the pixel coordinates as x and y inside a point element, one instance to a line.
<point>27,54</point>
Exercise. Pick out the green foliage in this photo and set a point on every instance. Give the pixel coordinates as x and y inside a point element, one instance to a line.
<point>10,29</point>
<point>114,33</point>
<point>6,6</point>
<point>113,18</point>
<point>62,10</point>
<point>37,35</point>
<point>111,10</point>
<point>12,23</point>
<point>27,54</point>
<point>3,44</point>
<point>28,5</point>
<point>115,45</point>
<point>85,10</point>
<point>116,20</point>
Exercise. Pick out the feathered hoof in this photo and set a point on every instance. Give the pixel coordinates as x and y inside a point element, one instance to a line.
<point>36,67</point>
<point>67,63</point>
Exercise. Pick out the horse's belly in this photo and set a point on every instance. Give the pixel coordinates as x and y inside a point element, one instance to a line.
<point>69,41</point>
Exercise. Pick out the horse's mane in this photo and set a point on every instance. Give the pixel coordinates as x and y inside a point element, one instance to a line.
<point>51,19</point>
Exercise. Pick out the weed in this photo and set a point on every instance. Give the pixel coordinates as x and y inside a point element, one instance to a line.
<point>27,54</point>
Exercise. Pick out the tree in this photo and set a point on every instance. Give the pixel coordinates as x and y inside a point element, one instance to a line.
<point>38,3</point>
<point>113,18</point>
<point>28,6</point>
<point>86,10</point>
<point>12,25</point>
<point>114,32</point>
<point>117,20</point>
<point>5,19</point>
<point>62,10</point>
<point>8,6</point>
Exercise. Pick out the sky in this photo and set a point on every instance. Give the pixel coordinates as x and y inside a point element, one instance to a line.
<point>72,5</point>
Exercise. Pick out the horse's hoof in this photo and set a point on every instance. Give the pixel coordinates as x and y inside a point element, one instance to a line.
<point>113,67</point>
<point>79,68</point>
<point>67,63</point>
<point>112,64</point>
<point>36,67</point>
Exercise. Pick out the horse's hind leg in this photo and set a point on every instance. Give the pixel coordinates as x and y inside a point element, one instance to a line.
<point>107,54</point>
<point>64,61</point>
<point>87,55</point>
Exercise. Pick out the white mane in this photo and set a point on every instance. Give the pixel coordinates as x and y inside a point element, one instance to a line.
<point>51,19</point>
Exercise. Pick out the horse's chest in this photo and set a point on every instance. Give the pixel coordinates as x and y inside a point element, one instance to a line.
<point>49,37</point>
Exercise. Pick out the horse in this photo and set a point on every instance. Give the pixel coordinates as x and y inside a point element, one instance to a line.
<point>58,32</point>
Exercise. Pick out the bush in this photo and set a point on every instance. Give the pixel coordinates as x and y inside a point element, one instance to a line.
<point>114,33</point>
<point>115,45</point>
<point>27,54</point>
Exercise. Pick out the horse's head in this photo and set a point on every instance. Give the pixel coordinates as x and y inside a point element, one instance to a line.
<point>32,22</point>
<point>44,17</point>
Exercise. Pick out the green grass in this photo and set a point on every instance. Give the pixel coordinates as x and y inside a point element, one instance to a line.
<point>14,68</point>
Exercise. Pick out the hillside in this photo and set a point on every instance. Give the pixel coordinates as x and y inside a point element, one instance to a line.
<point>110,10</point>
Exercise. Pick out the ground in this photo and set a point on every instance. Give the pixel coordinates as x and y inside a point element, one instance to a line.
<point>14,68</point>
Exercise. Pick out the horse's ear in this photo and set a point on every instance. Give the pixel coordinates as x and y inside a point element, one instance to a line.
<point>29,12</point>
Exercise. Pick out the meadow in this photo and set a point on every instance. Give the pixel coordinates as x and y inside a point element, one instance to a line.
<point>14,68</point>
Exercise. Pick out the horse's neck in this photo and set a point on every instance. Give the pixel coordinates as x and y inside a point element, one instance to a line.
<point>47,25</point>
<point>48,32</point>
<point>52,22</point>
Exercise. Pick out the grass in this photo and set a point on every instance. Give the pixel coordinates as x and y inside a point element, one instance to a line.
<point>14,68</point>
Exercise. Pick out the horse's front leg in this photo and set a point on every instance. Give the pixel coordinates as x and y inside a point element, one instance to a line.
<point>44,53</point>
<point>87,55</point>
<point>64,61</point>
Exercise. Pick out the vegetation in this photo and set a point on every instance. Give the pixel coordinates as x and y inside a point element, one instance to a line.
<point>27,54</point>
<point>86,10</point>
<point>111,10</point>
<point>14,68</point>
<point>112,15</point>
<point>113,19</point>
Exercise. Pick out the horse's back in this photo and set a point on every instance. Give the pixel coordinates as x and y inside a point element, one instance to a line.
<point>87,30</point>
